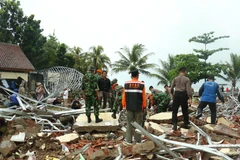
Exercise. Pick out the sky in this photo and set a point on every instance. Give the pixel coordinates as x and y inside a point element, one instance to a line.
<point>164,27</point>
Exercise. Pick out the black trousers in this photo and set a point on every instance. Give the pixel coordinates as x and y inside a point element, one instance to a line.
<point>180,99</point>
<point>212,107</point>
<point>105,99</point>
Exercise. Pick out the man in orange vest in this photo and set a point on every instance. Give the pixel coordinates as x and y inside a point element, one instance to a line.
<point>134,101</point>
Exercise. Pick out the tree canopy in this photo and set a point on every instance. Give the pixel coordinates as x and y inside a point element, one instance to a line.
<point>131,59</point>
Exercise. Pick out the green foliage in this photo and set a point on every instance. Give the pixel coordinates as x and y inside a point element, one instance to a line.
<point>206,39</point>
<point>18,29</point>
<point>133,59</point>
<point>197,69</point>
<point>162,72</point>
<point>12,21</point>
<point>99,60</point>
<point>49,58</point>
<point>191,62</point>
<point>232,69</point>
<point>33,41</point>
<point>208,68</point>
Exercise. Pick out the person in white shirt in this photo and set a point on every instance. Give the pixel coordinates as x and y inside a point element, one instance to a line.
<point>65,97</point>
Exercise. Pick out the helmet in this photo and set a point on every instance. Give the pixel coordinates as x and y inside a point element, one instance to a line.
<point>114,80</point>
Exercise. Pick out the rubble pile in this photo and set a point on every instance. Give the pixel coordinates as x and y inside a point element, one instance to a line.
<point>35,130</point>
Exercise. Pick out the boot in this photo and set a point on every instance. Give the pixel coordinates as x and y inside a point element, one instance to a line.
<point>199,113</point>
<point>114,115</point>
<point>98,119</point>
<point>186,126</point>
<point>89,119</point>
<point>174,127</point>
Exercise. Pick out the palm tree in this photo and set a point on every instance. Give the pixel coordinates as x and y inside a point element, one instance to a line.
<point>163,73</point>
<point>100,60</point>
<point>133,59</point>
<point>233,70</point>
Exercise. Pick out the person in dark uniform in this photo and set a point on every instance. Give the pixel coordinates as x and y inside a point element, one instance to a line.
<point>134,101</point>
<point>181,97</point>
<point>105,89</point>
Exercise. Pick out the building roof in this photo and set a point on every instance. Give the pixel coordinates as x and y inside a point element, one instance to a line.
<point>12,58</point>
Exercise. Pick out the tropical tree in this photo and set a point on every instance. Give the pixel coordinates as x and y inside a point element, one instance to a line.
<point>232,71</point>
<point>132,59</point>
<point>163,71</point>
<point>82,60</point>
<point>98,58</point>
<point>206,39</point>
<point>197,69</point>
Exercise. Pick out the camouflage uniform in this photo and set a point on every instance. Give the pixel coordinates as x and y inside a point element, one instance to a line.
<point>90,86</point>
<point>161,100</point>
<point>118,100</point>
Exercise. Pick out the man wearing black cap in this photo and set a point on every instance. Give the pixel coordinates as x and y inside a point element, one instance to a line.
<point>208,92</point>
<point>181,96</point>
<point>134,100</point>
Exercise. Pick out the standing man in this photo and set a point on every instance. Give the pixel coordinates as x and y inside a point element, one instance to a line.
<point>182,96</point>
<point>105,89</point>
<point>134,100</point>
<point>208,92</point>
<point>65,97</point>
<point>118,101</point>
<point>91,94</point>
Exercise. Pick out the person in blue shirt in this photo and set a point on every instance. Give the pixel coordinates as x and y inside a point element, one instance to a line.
<point>208,92</point>
<point>13,101</point>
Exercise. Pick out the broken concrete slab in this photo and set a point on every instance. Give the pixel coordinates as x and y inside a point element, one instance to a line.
<point>164,117</point>
<point>224,121</point>
<point>154,128</point>
<point>108,123</point>
<point>67,137</point>
<point>7,146</point>
<point>144,148</point>
<point>225,130</point>
<point>19,137</point>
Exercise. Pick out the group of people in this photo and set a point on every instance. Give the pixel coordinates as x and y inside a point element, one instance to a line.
<point>98,91</point>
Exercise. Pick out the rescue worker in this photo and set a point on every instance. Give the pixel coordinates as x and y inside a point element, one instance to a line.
<point>181,97</point>
<point>118,101</point>
<point>154,91</point>
<point>134,101</point>
<point>113,91</point>
<point>208,93</point>
<point>161,100</point>
<point>91,94</point>
<point>99,73</point>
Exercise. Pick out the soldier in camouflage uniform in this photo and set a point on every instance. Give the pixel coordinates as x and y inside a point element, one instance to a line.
<point>161,100</point>
<point>91,94</point>
<point>118,101</point>
<point>113,93</point>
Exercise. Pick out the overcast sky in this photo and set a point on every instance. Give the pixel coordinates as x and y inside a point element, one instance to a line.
<point>162,26</point>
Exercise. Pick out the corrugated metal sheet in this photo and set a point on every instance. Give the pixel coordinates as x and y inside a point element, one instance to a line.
<point>12,58</point>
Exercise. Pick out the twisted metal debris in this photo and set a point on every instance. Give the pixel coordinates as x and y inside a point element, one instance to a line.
<point>59,77</point>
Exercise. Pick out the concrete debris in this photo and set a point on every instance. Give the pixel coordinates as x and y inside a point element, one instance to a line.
<point>19,137</point>
<point>108,123</point>
<point>67,137</point>
<point>144,148</point>
<point>37,130</point>
<point>164,117</point>
<point>7,146</point>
